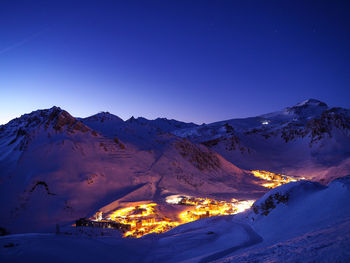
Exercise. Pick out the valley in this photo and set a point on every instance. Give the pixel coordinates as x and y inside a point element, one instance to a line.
<point>139,220</point>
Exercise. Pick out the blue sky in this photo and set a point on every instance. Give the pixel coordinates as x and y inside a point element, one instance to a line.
<point>199,61</point>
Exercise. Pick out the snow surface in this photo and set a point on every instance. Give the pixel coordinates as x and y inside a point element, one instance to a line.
<point>313,226</point>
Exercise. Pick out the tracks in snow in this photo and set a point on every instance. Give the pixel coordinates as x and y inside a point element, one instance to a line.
<point>254,239</point>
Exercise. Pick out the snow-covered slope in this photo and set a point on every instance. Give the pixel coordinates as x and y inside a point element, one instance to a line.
<point>296,222</point>
<point>58,170</point>
<point>282,216</point>
<point>309,139</point>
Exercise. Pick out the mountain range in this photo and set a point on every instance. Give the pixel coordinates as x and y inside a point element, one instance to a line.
<point>55,168</point>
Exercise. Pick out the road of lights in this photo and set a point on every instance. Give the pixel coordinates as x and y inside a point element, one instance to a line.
<point>273,179</point>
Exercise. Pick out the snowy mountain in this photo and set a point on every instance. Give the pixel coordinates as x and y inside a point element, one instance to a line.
<point>140,132</point>
<point>56,169</point>
<point>296,222</point>
<point>309,140</point>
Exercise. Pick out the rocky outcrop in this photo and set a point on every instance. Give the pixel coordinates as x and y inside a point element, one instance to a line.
<point>200,157</point>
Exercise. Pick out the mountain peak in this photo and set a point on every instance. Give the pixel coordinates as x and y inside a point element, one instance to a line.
<point>55,108</point>
<point>103,116</point>
<point>308,108</point>
<point>17,133</point>
<point>311,102</point>
<point>132,119</point>
<point>55,117</point>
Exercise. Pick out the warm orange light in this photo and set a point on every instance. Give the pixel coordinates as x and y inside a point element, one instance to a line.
<point>273,179</point>
<point>145,219</point>
<point>210,207</point>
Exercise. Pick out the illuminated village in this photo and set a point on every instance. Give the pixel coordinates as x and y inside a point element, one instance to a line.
<point>142,220</point>
<point>210,207</point>
<point>137,221</point>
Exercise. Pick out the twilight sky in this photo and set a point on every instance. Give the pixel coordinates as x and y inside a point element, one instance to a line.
<point>199,61</point>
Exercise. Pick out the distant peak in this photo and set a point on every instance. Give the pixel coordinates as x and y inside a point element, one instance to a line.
<point>132,119</point>
<point>138,119</point>
<point>103,113</point>
<point>162,119</point>
<point>311,102</point>
<point>55,108</point>
<point>102,116</point>
<point>308,108</point>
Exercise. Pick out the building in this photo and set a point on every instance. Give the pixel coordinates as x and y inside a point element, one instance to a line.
<point>102,224</point>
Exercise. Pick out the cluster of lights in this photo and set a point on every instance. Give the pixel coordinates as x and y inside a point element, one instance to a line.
<point>142,219</point>
<point>273,179</point>
<point>146,219</point>
<point>210,207</point>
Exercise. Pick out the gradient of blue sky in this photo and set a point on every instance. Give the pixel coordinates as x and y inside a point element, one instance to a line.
<point>199,61</point>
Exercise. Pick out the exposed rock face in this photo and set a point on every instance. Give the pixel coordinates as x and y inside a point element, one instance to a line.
<point>231,143</point>
<point>60,120</point>
<point>283,195</point>
<point>201,158</point>
<point>270,203</point>
<point>119,143</point>
<point>333,118</point>
<point>317,128</point>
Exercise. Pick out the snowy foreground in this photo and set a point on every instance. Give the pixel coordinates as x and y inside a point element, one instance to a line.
<point>297,222</point>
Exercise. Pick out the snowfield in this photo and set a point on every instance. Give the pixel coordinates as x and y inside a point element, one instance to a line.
<point>330,244</point>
